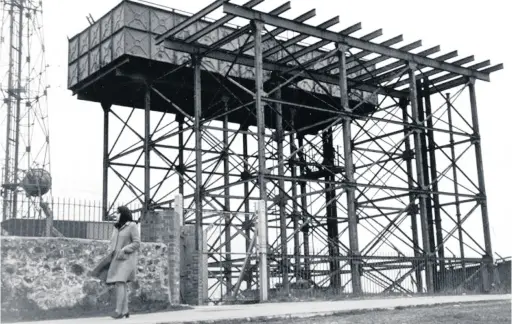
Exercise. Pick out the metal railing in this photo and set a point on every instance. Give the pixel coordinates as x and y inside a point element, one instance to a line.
<point>71,218</point>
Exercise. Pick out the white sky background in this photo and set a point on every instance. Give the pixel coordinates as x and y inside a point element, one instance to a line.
<point>76,127</point>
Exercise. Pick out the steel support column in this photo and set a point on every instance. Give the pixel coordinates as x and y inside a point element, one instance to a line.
<point>227,206</point>
<point>295,203</point>
<point>420,177</point>
<point>412,205</point>
<point>263,255</point>
<point>106,160</point>
<point>456,186</point>
<point>262,168</point>
<point>282,193</point>
<point>198,194</point>
<point>304,204</point>
<point>147,148</point>
<point>435,186</point>
<point>331,202</point>
<point>260,109</point>
<point>181,149</point>
<point>488,258</point>
<point>247,218</point>
<point>426,179</point>
<point>349,174</point>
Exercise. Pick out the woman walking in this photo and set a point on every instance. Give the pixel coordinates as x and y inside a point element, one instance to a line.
<point>122,258</point>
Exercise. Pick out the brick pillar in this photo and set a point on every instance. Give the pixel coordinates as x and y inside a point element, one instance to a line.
<point>193,267</point>
<point>175,251</point>
<point>163,226</point>
<point>486,274</point>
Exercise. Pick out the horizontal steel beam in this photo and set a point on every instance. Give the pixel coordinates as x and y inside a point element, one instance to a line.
<point>248,60</point>
<point>375,61</point>
<point>317,45</point>
<point>350,41</point>
<point>422,75</point>
<point>401,64</point>
<point>302,18</point>
<point>140,166</point>
<point>353,57</point>
<point>190,21</point>
<point>374,34</point>
<point>247,28</point>
<point>462,80</point>
<point>362,54</point>
<point>362,203</point>
<point>449,76</point>
<point>352,29</point>
<point>219,23</point>
<point>331,22</point>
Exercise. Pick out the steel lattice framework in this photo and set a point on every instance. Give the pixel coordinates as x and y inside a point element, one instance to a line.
<point>354,144</point>
<point>24,121</point>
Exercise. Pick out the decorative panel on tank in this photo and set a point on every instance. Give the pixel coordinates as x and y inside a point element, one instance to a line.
<point>159,53</point>
<point>95,35</point>
<point>187,31</point>
<point>210,64</point>
<point>106,26</point>
<point>180,57</point>
<point>210,38</point>
<point>118,44</point>
<point>73,49</point>
<point>84,42</point>
<point>234,43</point>
<point>94,60</point>
<point>136,17</point>
<point>161,21</point>
<point>118,18</point>
<point>106,52</point>
<point>73,74</point>
<point>83,67</point>
<point>137,43</point>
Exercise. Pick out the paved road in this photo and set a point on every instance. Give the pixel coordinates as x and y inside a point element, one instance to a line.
<point>298,309</point>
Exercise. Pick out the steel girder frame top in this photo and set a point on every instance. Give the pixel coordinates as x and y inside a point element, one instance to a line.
<point>399,179</point>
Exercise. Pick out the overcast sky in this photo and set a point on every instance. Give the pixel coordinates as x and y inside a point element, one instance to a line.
<point>467,26</point>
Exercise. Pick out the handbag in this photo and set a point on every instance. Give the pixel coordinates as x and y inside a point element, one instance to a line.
<point>101,269</point>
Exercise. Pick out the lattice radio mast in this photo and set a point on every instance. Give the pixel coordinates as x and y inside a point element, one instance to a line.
<point>24,114</point>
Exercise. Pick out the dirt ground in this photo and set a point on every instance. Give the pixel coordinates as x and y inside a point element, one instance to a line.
<point>488,312</point>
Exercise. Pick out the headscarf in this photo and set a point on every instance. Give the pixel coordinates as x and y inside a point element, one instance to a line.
<point>125,216</point>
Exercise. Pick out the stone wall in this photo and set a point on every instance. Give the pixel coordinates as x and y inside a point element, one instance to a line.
<point>41,275</point>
